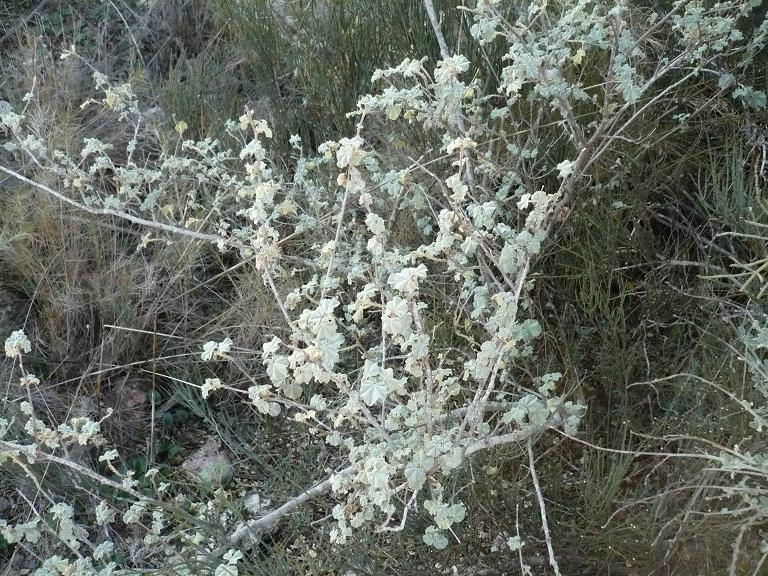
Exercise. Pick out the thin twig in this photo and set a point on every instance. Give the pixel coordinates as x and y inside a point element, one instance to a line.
<point>733,567</point>
<point>116,213</point>
<point>336,239</point>
<point>543,510</point>
<point>130,34</point>
<point>276,294</point>
<point>702,456</point>
<point>445,54</point>
<point>41,456</point>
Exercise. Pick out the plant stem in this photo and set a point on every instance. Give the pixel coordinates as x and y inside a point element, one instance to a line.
<point>110,212</point>
<point>543,510</point>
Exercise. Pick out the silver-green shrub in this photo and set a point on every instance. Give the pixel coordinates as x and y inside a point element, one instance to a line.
<point>403,356</point>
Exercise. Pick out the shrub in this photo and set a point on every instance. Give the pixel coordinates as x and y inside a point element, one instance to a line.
<point>406,353</point>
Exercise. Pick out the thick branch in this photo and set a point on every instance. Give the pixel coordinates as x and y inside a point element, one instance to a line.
<point>512,437</point>
<point>267,523</point>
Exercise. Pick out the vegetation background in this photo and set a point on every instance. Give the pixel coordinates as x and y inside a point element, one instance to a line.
<point>641,284</point>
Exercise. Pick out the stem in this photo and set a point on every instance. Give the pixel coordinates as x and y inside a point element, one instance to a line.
<point>336,239</point>
<point>265,524</point>
<point>276,294</point>
<point>430,8</point>
<point>543,510</point>
<point>45,457</point>
<point>444,54</point>
<point>110,212</point>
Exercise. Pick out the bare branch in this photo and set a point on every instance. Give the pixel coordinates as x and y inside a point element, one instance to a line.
<point>116,213</point>
<point>264,525</point>
<point>430,8</point>
<point>543,510</point>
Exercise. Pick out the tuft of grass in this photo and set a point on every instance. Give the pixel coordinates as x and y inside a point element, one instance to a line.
<point>307,61</point>
<point>202,91</point>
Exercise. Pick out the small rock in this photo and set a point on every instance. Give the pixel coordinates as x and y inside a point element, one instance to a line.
<point>209,465</point>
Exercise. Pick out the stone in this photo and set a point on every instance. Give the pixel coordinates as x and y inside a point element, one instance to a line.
<point>209,465</point>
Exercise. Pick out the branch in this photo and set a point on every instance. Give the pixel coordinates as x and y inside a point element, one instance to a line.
<point>543,510</point>
<point>116,213</point>
<point>430,8</point>
<point>271,283</point>
<point>41,456</point>
<point>267,523</point>
<point>336,239</point>
<point>518,436</point>
<point>445,54</point>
